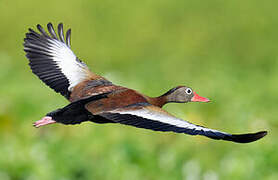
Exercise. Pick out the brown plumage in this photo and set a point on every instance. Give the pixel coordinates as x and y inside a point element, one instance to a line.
<point>94,98</point>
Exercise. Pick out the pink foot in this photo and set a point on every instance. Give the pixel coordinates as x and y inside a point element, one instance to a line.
<point>44,121</point>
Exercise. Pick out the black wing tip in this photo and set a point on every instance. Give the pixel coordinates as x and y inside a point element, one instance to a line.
<point>49,24</point>
<point>36,46</point>
<point>60,25</point>
<point>49,33</point>
<point>68,34</point>
<point>246,138</point>
<point>39,26</point>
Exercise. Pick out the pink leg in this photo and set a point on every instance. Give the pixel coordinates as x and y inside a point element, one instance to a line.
<point>44,121</point>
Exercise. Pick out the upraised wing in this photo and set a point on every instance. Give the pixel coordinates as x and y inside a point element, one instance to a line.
<point>52,60</point>
<point>151,117</point>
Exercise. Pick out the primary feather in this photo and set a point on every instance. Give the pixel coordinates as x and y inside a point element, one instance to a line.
<point>52,60</point>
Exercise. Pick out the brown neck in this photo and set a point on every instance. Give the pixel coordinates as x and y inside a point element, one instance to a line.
<point>158,101</point>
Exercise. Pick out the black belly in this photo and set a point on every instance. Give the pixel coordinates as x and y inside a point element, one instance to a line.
<point>75,113</point>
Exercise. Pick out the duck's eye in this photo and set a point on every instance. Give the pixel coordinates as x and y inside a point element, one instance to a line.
<point>188,91</point>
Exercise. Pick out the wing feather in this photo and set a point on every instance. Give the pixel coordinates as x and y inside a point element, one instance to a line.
<point>154,118</point>
<point>68,37</point>
<point>61,32</point>
<point>39,27</point>
<point>52,31</point>
<point>52,60</point>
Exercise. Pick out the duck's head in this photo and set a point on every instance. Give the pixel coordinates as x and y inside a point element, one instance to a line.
<point>183,94</point>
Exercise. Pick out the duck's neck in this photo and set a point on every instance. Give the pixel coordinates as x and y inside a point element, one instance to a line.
<point>158,101</point>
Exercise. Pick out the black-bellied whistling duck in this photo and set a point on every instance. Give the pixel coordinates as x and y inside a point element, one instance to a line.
<point>94,98</point>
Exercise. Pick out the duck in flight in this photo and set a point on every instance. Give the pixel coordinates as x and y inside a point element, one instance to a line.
<point>96,99</point>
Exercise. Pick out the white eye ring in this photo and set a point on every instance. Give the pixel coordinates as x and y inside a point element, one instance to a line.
<point>188,91</point>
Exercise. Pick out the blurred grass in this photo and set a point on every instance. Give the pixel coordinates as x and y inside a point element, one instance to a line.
<point>224,50</point>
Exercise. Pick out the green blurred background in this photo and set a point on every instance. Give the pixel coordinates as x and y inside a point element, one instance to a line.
<point>224,50</point>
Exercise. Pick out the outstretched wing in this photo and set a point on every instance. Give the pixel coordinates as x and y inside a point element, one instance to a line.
<point>52,60</point>
<point>155,118</point>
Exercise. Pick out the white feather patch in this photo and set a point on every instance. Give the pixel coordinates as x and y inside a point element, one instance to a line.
<point>63,56</point>
<point>164,118</point>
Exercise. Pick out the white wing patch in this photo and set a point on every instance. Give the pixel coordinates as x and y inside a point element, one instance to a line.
<point>74,71</point>
<point>164,118</point>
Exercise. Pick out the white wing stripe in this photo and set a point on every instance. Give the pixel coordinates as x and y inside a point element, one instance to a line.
<point>74,71</point>
<point>165,119</point>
